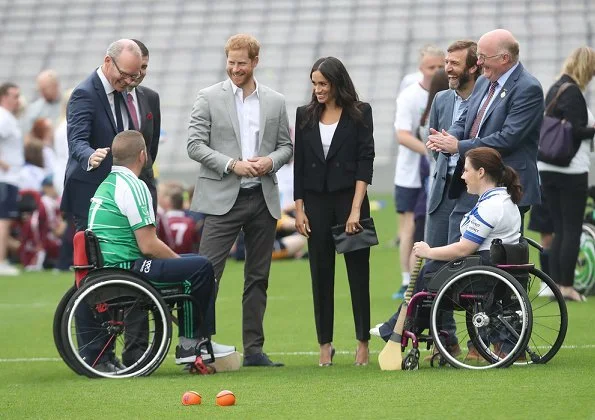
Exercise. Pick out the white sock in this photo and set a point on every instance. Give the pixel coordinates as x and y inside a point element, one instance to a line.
<point>406,278</point>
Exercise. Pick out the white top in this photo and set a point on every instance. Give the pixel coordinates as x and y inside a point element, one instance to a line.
<point>411,104</point>
<point>327,131</point>
<point>580,162</point>
<point>109,91</point>
<point>31,177</point>
<point>11,147</point>
<point>494,216</point>
<point>248,110</point>
<point>409,79</point>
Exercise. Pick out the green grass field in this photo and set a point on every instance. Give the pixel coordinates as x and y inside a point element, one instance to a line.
<point>35,383</point>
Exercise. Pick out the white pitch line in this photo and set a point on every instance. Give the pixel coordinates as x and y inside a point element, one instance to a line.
<point>272,353</point>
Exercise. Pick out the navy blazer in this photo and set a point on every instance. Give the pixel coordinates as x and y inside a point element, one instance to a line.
<point>90,125</point>
<point>511,126</point>
<point>350,157</point>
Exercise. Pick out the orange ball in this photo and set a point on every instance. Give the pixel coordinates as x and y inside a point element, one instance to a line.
<point>191,398</point>
<point>225,398</point>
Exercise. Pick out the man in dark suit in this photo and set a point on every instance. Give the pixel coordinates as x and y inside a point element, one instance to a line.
<point>144,102</point>
<point>96,112</point>
<point>505,112</point>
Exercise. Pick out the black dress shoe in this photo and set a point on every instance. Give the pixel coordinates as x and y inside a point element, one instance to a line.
<point>260,360</point>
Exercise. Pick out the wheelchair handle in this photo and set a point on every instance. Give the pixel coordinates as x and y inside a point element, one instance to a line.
<point>534,244</point>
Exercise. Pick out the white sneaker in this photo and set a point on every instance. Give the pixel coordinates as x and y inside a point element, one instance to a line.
<point>545,291</point>
<point>8,270</point>
<point>221,349</point>
<point>376,330</point>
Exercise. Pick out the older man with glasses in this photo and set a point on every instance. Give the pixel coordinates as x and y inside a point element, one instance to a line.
<point>96,113</point>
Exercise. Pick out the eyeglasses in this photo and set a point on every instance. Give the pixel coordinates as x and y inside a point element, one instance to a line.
<point>123,74</point>
<point>484,57</point>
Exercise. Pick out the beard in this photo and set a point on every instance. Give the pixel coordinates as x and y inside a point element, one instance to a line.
<point>462,81</point>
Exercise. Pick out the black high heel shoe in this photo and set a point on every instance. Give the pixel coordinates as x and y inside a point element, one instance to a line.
<point>331,362</point>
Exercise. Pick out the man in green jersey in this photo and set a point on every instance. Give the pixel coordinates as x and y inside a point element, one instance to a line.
<point>121,216</point>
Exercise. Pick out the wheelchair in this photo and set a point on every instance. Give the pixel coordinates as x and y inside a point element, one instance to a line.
<point>497,308</point>
<point>119,302</point>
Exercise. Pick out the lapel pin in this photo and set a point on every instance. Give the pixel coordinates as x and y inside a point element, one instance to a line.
<point>503,94</point>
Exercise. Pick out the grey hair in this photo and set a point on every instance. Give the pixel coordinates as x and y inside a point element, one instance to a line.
<point>116,48</point>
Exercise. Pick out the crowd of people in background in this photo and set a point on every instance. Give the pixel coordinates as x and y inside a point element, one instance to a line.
<point>55,152</point>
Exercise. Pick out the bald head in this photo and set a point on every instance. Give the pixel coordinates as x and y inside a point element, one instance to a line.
<point>48,85</point>
<point>503,41</point>
<point>497,52</point>
<point>126,150</point>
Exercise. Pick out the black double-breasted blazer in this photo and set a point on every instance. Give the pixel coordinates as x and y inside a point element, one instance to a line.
<point>350,157</point>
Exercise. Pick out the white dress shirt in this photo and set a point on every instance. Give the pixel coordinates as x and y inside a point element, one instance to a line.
<point>248,110</point>
<point>109,91</point>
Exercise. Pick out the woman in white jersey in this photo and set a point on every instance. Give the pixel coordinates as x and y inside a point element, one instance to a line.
<point>495,215</point>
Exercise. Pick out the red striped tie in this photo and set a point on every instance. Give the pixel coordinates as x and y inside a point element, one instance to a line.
<point>479,117</point>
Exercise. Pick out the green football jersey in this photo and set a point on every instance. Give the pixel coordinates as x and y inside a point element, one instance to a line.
<point>121,204</point>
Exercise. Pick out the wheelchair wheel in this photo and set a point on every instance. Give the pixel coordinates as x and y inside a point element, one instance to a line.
<point>57,329</point>
<point>111,303</point>
<point>550,320</point>
<point>487,307</point>
<point>584,271</point>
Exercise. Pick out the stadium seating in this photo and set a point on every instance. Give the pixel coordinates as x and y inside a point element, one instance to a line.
<point>378,40</point>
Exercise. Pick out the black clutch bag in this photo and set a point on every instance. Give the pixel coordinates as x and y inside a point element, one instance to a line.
<point>347,242</point>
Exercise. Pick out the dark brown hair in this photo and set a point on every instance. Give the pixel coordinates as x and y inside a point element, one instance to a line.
<point>491,161</point>
<point>342,87</point>
<point>471,47</point>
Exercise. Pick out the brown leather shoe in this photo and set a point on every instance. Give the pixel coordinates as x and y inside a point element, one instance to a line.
<point>501,354</point>
<point>473,355</point>
<point>454,350</point>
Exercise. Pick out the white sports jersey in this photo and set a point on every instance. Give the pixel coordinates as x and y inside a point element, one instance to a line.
<point>494,216</point>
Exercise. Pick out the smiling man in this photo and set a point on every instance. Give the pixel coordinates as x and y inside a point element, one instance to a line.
<point>505,112</point>
<point>462,70</point>
<point>96,113</point>
<point>239,132</point>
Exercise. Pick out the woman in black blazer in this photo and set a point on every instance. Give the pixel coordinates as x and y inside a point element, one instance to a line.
<point>334,155</point>
<point>565,187</point>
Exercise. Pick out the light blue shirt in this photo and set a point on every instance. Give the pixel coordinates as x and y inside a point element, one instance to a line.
<point>501,82</point>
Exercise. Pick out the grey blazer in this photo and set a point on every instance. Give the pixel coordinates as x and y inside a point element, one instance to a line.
<point>440,118</point>
<point>214,138</point>
<point>511,126</point>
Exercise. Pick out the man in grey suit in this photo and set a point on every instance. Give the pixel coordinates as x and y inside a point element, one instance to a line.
<point>448,105</point>
<point>444,214</point>
<point>505,112</point>
<point>239,133</point>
